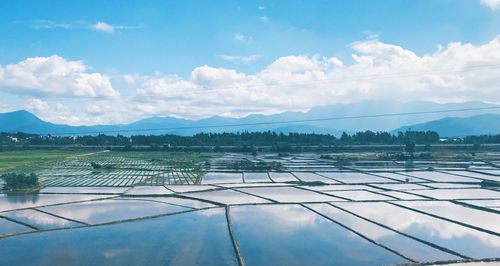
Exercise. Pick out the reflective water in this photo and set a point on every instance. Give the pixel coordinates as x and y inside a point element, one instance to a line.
<point>293,235</point>
<point>455,237</point>
<point>456,212</point>
<point>189,203</point>
<point>406,246</point>
<point>337,187</point>
<point>83,190</point>
<point>356,178</point>
<point>218,178</point>
<point>400,177</point>
<point>254,185</point>
<point>282,177</point>
<point>475,174</point>
<point>8,227</point>
<point>188,188</point>
<point>402,195</point>
<point>104,211</point>
<point>288,194</point>
<point>491,172</point>
<point>358,195</point>
<point>476,263</point>
<point>404,186</point>
<point>227,197</point>
<point>312,177</point>
<point>12,202</point>
<point>148,190</point>
<point>459,193</point>
<point>452,185</point>
<point>256,177</point>
<point>440,177</point>
<point>39,219</point>
<point>483,203</point>
<point>195,238</point>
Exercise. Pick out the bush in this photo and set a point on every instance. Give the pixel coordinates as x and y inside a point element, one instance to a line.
<point>95,165</point>
<point>20,181</point>
<point>100,166</point>
<point>255,167</point>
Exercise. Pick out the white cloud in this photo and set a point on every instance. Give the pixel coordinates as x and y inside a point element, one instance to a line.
<point>54,75</point>
<point>130,79</point>
<point>240,37</point>
<point>49,24</point>
<point>239,58</point>
<point>85,111</point>
<point>264,19</point>
<point>57,113</point>
<point>98,26</point>
<point>103,26</point>
<point>261,7</point>
<point>370,35</point>
<point>492,4</point>
<point>379,71</point>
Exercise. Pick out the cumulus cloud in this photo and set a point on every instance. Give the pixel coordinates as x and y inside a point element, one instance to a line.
<point>58,113</point>
<point>84,111</point>
<point>492,4</point>
<point>378,71</point>
<point>246,59</point>
<point>300,82</point>
<point>54,75</point>
<point>109,28</point>
<point>130,79</point>
<point>103,26</point>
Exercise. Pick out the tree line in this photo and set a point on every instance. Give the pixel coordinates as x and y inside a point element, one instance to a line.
<point>267,138</point>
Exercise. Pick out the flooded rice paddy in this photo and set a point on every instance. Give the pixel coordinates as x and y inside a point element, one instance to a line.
<point>309,212</point>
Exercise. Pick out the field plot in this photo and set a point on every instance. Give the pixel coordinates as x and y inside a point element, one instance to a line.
<point>333,215</point>
<point>118,169</point>
<point>18,158</point>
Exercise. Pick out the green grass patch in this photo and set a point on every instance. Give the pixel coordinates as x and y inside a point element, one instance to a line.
<point>19,158</point>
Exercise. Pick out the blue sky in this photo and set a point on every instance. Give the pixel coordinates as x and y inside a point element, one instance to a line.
<point>145,38</point>
<point>177,36</point>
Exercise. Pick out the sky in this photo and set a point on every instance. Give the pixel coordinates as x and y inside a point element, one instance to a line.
<point>106,62</point>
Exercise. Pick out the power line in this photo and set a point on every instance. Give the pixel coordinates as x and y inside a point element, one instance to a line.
<point>283,122</point>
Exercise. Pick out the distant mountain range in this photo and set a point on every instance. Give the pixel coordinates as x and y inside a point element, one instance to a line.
<point>447,124</point>
<point>460,126</point>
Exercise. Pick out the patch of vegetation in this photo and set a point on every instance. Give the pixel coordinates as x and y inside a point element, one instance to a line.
<point>464,156</point>
<point>401,156</point>
<point>490,183</point>
<point>18,158</point>
<point>97,166</point>
<point>20,182</point>
<point>255,166</point>
<point>245,141</point>
<point>308,183</point>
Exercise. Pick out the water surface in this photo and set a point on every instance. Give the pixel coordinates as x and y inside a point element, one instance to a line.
<point>195,238</point>
<point>463,240</point>
<point>293,235</point>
